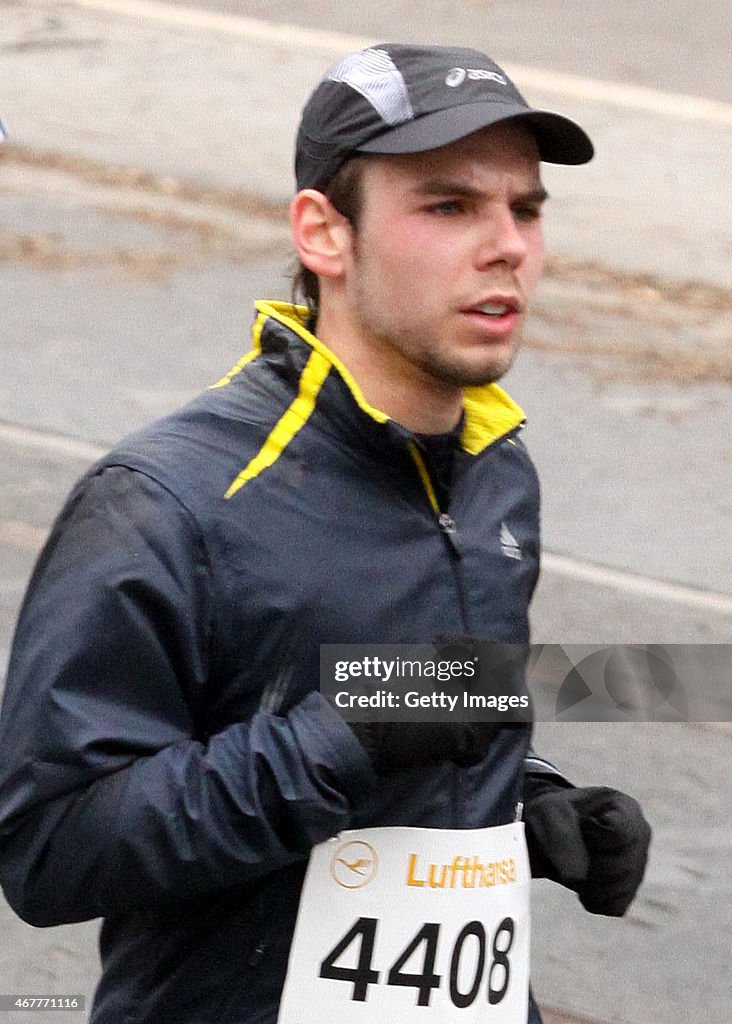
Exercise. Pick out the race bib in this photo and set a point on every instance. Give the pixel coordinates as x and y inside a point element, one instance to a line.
<point>420,926</point>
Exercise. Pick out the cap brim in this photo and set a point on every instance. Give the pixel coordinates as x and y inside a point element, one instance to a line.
<point>560,141</point>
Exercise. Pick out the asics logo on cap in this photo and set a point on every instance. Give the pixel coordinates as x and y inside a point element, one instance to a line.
<point>457,76</point>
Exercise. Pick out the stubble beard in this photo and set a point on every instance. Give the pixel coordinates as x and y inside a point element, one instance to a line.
<point>459,375</point>
<point>394,332</point>
<point>432,358</point>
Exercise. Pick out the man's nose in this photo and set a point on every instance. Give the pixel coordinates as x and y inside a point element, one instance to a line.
<point>502,240</point>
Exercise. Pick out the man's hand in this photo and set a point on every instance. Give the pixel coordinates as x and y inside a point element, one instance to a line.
<point>593,840</point>
<point>400,746</point>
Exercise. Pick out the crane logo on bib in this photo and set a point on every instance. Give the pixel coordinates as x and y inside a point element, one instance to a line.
<point>354,864</point>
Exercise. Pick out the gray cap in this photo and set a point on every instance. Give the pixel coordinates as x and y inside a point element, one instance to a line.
<point>399,98</point>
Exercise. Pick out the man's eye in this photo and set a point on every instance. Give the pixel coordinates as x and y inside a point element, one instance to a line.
<point>527,213</point>
<point>446,207</point>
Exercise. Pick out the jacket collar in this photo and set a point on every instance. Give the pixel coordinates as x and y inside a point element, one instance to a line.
<point>490,413</point>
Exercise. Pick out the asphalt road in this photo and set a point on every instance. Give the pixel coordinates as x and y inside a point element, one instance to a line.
<point>677,46</point>
<point>141,212</point>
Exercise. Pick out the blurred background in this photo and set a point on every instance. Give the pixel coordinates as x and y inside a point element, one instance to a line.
<point>143,200</point>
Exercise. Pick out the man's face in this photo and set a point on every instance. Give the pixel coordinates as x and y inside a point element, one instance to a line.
<point>448,251</point>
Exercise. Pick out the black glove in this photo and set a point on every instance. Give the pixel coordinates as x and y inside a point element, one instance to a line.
<point>399,746</point>
<point>593,840</point>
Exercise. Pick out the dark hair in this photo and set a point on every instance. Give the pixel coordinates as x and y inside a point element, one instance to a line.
<point>345,192</point>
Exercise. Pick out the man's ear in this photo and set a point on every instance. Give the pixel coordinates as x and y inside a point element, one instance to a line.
<point>321,235</point>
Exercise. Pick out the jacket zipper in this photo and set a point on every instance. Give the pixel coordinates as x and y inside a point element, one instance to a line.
<point>449,532</point>
<point>448,529</point>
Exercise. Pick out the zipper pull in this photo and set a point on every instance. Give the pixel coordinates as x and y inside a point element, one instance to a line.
<point>449,532</point>
<point>447,524</point>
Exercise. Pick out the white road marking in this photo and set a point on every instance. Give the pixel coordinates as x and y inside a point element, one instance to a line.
<point>617,94</point>
<point>22,535</point>
<point>636,584</point>
<point>254,29</point>
<point>54,444</point>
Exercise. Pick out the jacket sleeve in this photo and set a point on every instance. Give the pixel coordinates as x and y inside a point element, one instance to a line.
<point>110,799</point>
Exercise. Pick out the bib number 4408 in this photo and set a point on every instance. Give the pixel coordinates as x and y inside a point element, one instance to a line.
<point>463,990</point>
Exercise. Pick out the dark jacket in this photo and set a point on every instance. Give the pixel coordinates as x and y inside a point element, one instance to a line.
<point>167,761</point>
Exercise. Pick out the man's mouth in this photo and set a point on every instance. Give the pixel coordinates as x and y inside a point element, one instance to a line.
<point>496,318</point>
<point>496,307</point>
